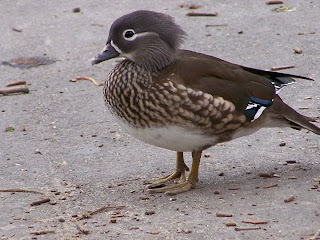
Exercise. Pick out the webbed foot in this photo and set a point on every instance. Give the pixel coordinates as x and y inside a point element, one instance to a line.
<point>182,185</point>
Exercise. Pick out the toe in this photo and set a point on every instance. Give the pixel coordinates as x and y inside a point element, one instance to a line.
<point>174,188</point>
<point>187,186</point>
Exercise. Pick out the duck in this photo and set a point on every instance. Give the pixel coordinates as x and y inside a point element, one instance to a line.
<point>186,101</point>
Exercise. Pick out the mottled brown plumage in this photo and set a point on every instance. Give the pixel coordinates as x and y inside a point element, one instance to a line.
<point>183,100</point>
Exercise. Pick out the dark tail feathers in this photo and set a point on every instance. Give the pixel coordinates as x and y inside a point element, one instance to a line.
<point>299,121</point>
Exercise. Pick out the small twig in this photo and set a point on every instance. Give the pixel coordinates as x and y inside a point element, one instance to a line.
<point>19,190</point>
<point>270,186</point>
<point>42,232</point>
<point>266,174</point>
<point>88,79</point>
<point>216,25</point>
<point>281,67</point>
<point>230,224</point>
<point>6,91</point>
<point>82,229</point>
<point>106,208</point>
<point>246,228</point>
<point>255,221</point>
<point>21,82</point>
<point>223,214</point>
<point>90,214</point>
<point>36,203</point>
<point>274,2</point>
<point>96,24</point>
<point>202,14</point>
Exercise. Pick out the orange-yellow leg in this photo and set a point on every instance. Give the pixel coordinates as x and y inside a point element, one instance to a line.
<point>179,173</point>
<point>182,185</point>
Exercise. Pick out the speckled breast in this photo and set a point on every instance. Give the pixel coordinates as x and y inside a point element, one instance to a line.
<point>127,95</point>
<point>141,100</point>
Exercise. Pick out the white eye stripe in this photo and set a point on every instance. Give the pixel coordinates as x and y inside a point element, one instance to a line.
<point>136,35</point>
<point>115,47</point>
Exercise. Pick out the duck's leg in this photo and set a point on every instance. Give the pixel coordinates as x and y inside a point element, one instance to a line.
<point>183,185</point>
<point>179,173</point>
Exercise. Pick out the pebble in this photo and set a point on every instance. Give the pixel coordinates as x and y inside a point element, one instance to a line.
<point>150,212</point>
<point>144,198</point>
<point>153,232</point>
<point>37,151</point>
<point>61,219</point>
<point>289,199</point>
<point>282,144</point>
<point>297,50</point>
<point>76,10</point>
<point>53,202</point>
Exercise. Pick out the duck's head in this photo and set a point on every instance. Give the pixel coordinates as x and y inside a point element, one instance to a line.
<point>147,38</point>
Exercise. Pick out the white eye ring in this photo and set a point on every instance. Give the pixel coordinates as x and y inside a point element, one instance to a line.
<point>129,34</point>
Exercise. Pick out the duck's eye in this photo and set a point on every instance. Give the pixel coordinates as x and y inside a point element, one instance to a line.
<point>128,34</point>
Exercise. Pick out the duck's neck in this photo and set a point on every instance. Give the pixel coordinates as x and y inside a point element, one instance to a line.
<point>155,59</point>
<point>128,72</point>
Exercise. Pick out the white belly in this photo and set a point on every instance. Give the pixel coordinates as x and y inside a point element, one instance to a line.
<point>173,138</point>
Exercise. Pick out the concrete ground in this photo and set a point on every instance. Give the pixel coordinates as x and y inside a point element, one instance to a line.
<point>63,144</point>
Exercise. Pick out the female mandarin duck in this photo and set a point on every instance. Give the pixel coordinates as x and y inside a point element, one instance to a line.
<point>186,101</point>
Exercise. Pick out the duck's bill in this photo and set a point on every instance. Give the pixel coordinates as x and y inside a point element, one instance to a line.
<point>107,53</point>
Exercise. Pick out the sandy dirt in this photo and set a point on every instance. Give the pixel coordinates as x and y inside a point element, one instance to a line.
<point>59,141</point>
